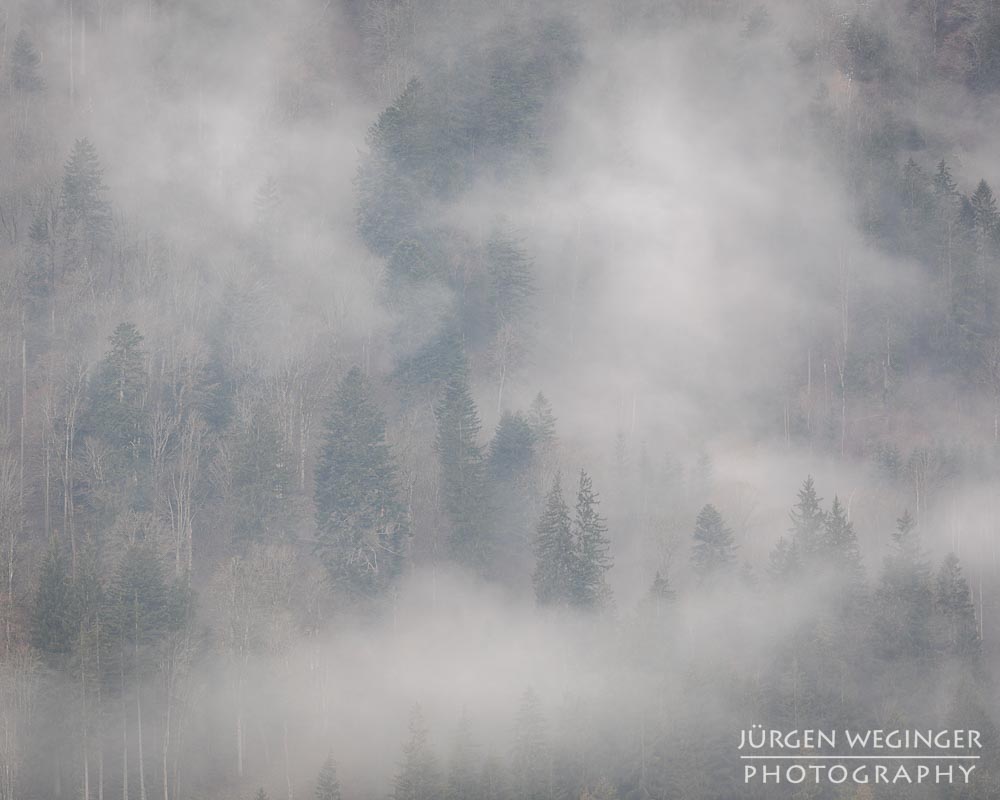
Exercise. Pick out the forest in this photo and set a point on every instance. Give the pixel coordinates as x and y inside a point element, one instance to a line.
<point>494,400</point>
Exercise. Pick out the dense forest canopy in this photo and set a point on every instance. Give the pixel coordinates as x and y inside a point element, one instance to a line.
<point>493,401</point>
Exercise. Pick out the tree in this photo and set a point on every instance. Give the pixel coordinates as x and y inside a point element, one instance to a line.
<point>418,777</point>
<point>117,395</point>
<point>984,209</point>
<point>53,629</point>
<point>953,602</point>
<point>530,757</point>
<point>542,421</point>
<point>904,598</point>
<point>783,562</point>
<point>327,784</point>
<point>808,519</point>
<point>24,61</point>
<point>839,544</point>
<point>462,474</point>
<point>86,214</point>
<point>592,561</point>
<point>556,558</point>
<point>511,479</point>
<point>714,549</point>
<point>362,527</point>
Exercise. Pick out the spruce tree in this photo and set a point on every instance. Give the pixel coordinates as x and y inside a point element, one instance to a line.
<point>984,209</point>
<point>839,544</point>
<point>714,549</point>
<point>24,61</point>
<point>418,777</point>
<point>808,519</point>
<point>463,473</point>
<point>513,491</point>
<point>555,549</point>
<point>784,562</point>
<point>953,602</point>
<point>542,421</point>
<point>53,627</point>
<point>117,394</point>
<point>592,560</point>
<point>86,214</point>
<point>509,270</point>
<point>904,598</point>
<point>327,784</point>
<point>463,780</point>
<point>362,526</point>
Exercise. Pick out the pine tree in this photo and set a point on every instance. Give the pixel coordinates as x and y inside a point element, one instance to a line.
<point>418,777</point>
<point>984,209</point>
<point>463,474</point>
<point>808,519</point>
<point>86,214</point>
<point>513,495</point>
<point>784,562</point>
<point>362,526</point>
<point>261,794</point>
<point>530,757</point>
<point>714,549</point>
<point>24,61</point>
<point>118,394</point>
<point>944,184</point>
<point>509,270</point>
<point>904,598</point>
<point>954,607</point>
<point>53,628</point>
<point>261,478</point>
<point>555,550</point>
<point>592,561</point>
<point>542,421</point>
<point>327,784</point>
<point>839,544</point>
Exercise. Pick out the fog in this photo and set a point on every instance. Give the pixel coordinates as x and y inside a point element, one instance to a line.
<point>690,225</point>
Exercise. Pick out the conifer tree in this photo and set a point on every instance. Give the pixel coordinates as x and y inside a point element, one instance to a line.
<point>24,61</point>
<point>118,394</point>
<point>53,628</point>
<point>592,560</point>
<point>418,777</point>
<point>784,562</point>
<point>944,184</point>
<point>327,784</point>
<point>904,598</point>
<point>839,544</point>
<point>509,270</point>
<point>714,549</point>
<point>463,473</point>
<point>362,526</point>
<point>984,209</point>
<point>556,565</point>
<point>542,421</point>
<point>513,495</point>
<point>954,607</point>
<point>808,519</point>
<point>86,214</point>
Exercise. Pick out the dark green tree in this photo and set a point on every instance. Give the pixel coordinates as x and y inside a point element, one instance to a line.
<point>117,395</point>
<point>24,62</point>
<point>462,469</point>
<point>808,519</point>
<point>953,601</point>
<point>714,549</point>
<point>513,492</point>
<point>418,777</point>
<point>542,421</point>
<point>53,627</point>
<point>327,784</point>
<point>86,214</point>
<point>362,527</point>
<point>839,545</point>
<point>904,598</point>
<point>556,564</point>
<point>592,559</point>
